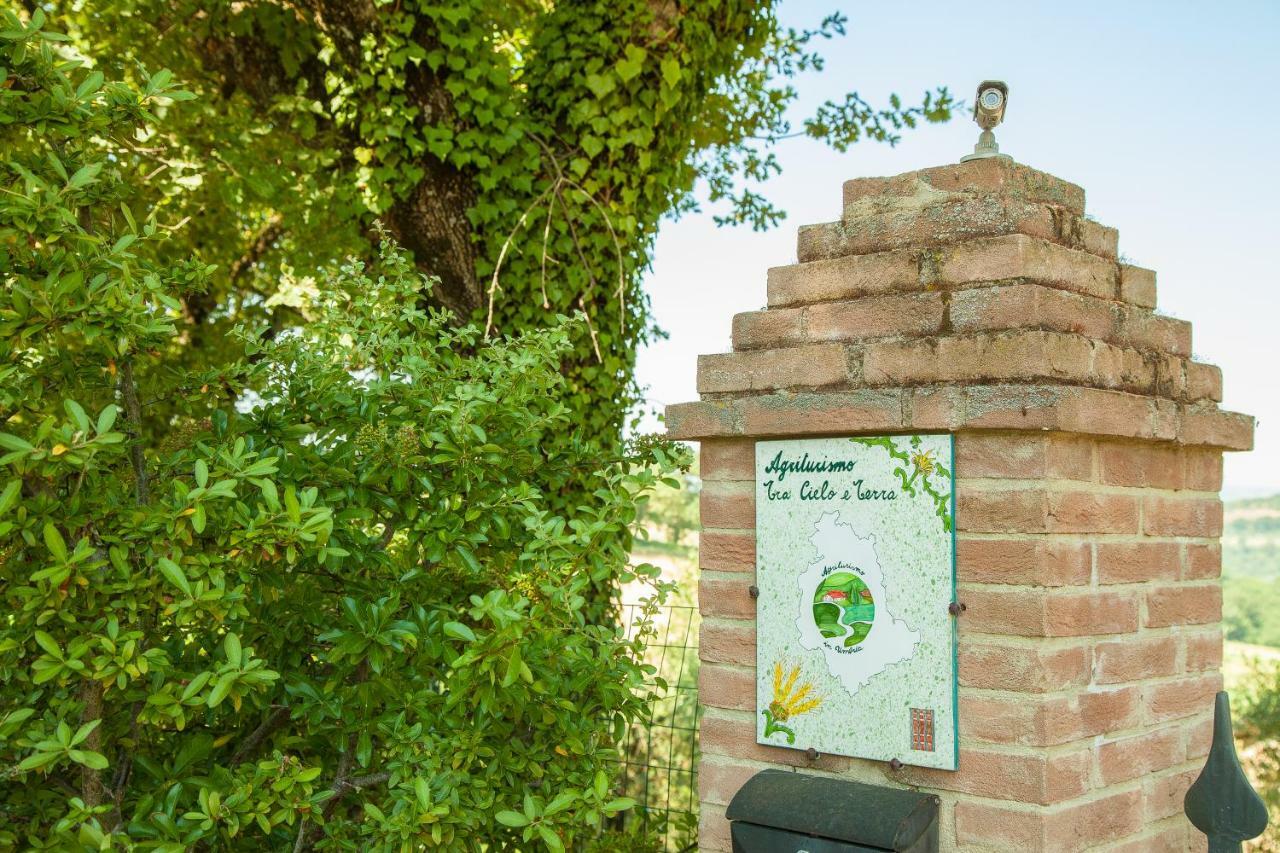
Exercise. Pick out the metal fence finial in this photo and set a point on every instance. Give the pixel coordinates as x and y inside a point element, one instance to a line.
<point>1221,803</point>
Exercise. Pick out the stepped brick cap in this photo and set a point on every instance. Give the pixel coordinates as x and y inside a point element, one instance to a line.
<point>975,296</point>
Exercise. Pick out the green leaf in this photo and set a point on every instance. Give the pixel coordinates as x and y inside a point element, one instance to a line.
<point>423,793</point>
<point>84,176</point>
<point>174,574</point>
<point>202,473</point>
<point>549,837</point>
<point>231,646</point>
<point>12,442</point>
<point>107,419</point>
<point>92,760</point>
<point>38,760</point>
<point>89,85</point>
<point>601,84</point>
<point>54,542</point>
<point>620,804</point>
<point>221,688</point>
<point>9,497</point>
<point>601,784</point>
<point>77,413</point>
<point>49,644</point>
<point>291,507</point>
<point>459,631</point>
<point>561,802</point>
<point>510,818</point>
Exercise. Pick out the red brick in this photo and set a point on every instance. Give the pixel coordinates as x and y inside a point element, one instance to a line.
<point>875,317</point>
<point>1182,697</point>
<point>730,687</point>
<point>705,419</point>
<point>987,176</point>
<point>1165,839</point>
<point>1200,517</point>
<point>1003,611</point>
<point>1066,829</point>
<point>736,738</point>
<point>1111,710</point>
<point>1198,731</point>
<point>731,505</point>
<point>1203,469</point>
<point>1025,354</point>
<point>1134,757</point>
<point>1082,614</point>
<point>713,830</point>
<point>1070,457</point>
<point>728,598</point>
<point>727,459</point>
<point>1089,824</point>
<point>1021,777</point>
<point>1184,604</point>
<point>1092,512</point>
<point>1228,430</point>
<point>1000,258</point>
<point>1022,561</point>
<point>1048,720</point>
<point>728,642</point>
<point>1203,561</point>
<point>986,826</point>
<point>1001,455</point>
<point>1137,286</point>
<point>1203,651</point>
<point>719,779</point>
<point>1134,659</point>
<point>1164,794</point>
<point>843,278</point>
<point>809,414</point>
<point>1030,306</point>
<point>1147,331</point>
<point>1137,562</point>
<point>778,327</point>
<point>813,366</point>
<point>1035,614</point>
<point>1131,464</point>
<point>1022,668</point>
<point>1014,510</point>
<point>1204,382</point>
<point>727,550</point>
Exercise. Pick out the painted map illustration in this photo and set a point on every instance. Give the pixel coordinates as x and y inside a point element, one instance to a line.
<point>837,604</point>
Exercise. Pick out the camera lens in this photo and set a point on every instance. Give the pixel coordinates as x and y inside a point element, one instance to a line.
<point>991,99</point>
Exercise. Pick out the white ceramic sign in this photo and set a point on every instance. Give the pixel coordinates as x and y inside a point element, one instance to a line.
<point>855,563</point>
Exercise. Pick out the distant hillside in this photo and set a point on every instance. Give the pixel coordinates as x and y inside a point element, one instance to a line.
<point>1251,538</point>
<point>1251,571</point>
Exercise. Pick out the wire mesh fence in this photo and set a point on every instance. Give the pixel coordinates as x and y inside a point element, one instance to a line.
<point>660,757</point>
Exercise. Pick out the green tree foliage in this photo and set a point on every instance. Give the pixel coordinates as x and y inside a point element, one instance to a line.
<point>524,151</point>
<point>671,513</point>
<point>1251,610</point>
<point>1251,538</point>
<point>328,599</point>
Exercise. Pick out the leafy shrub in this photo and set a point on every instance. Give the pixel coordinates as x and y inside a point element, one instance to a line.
<point>331,598</point>
<point>1258,730</point>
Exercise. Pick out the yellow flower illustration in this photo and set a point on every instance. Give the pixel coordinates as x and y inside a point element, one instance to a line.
<point>789,700</point>
<point>923,460</point>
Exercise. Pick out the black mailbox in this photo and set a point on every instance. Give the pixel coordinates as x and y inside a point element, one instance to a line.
<point>782,812</point>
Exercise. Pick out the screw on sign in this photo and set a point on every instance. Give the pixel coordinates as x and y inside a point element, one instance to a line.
<point>1221,803</point>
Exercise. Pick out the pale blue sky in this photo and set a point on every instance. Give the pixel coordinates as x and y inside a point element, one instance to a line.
<point>1163,112</point>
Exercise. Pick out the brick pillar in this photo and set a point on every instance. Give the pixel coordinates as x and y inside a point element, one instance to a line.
<point>977,299</point>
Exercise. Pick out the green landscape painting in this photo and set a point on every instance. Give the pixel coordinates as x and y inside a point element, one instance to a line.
<point>843,607</point>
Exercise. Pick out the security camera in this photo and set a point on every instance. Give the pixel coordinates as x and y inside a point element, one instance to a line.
<point>988,111</point>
